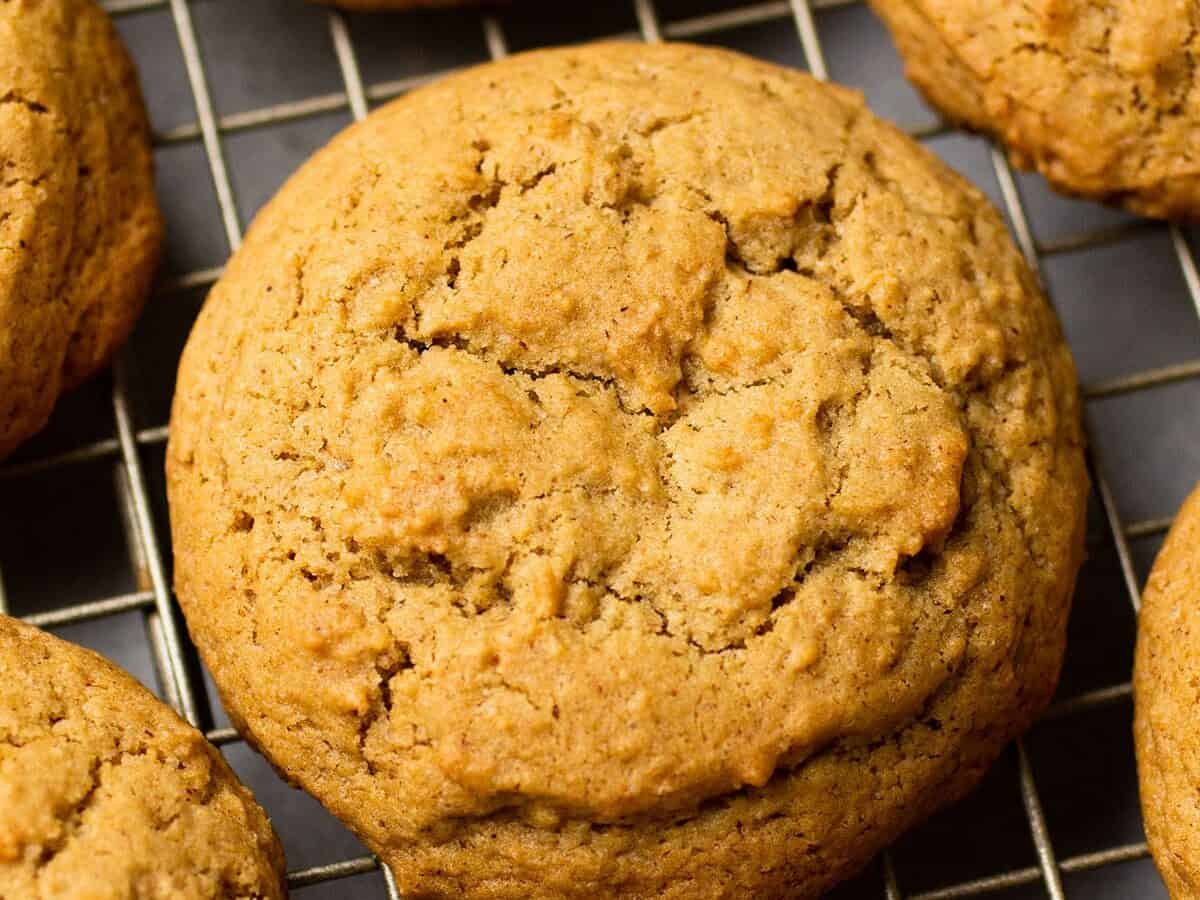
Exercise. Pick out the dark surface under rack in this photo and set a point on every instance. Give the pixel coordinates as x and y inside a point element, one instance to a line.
<point>241,93</point>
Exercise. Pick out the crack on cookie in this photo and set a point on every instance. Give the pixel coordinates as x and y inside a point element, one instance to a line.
<point>72,818</point>
<point>664,629</point>
<point>14,99</point>
<point>534,180</point>
<point>425,569</point>
<point>34,181</point>
<point>810,224</point>
<point>463,345</point>
<point>386,668</point>
<point>826,547</point>
<point>662,123</point>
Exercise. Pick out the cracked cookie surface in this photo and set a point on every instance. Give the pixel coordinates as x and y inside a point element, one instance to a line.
<point>1101,96</point>
<point>106,794</point>
<point>1167,695</point>
<point>647,472</point>
<point>79,225</point>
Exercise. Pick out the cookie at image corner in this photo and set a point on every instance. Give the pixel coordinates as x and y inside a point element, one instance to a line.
<point>105,792</point>
<point>1100,97</point>
<point>79,224</point>
<point>628,471</point>
<point>1166,695</point>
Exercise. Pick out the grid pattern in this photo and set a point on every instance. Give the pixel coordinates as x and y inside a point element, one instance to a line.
<point>135,489</point>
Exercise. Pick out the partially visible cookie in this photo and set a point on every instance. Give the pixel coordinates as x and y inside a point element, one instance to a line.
<point>79,226</point>
<point>1101,97</point>
<point>106,794</point>
<point>1167,694</point>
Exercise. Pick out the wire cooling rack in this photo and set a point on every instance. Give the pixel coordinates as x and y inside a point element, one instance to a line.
<point>241,93</point>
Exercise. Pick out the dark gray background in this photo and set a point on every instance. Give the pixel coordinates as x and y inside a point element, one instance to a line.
<point>1123,300</point>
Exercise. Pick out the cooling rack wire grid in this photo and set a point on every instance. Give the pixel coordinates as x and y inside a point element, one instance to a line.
<point>1058,815</point>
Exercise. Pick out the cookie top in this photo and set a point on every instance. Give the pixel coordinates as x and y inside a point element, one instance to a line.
<point>79,225</point>
<point>1167,693</point>
<point>106,793</point>
<point>598,437</point>
<point>1101,97</point>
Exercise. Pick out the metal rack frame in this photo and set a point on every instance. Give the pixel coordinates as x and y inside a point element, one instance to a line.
<point>153,595</point>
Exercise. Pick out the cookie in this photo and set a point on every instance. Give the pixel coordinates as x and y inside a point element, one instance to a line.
<point>79,225</point>
<point>106,793</point>
<point>641,472</point>
<point>1166,693</point>
<point>1101,97</point>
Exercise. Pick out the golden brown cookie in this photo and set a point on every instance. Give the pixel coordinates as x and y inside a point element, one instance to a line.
<point>107,794</point>
<point>642,471</point>
<point>79,226</point>
<point>1101,97</point>
<point>1167,694</point>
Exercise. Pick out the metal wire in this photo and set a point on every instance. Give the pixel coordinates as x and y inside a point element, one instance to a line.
<point>891,884</point>
<point>144,548</point>
<point>647,21</point>
<point>1187,263</point>
<point>809,39</point>
<point>348,63</point>
<point>494,36</point>
<point>1037,825</point>
<point>152,595</point>
<point>198,82</point>
<point>95,609</point>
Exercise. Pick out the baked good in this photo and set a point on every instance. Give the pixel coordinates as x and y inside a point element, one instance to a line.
<point>643,472</point>
<point>1101,97</point>
<point>1166,694</point>
<point>106,794</point>
<point>79,226</point>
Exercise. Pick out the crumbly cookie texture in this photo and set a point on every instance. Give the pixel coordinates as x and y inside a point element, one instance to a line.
<point>628,471</point>
<point>106,794</point>
<point>79,226</point>
<point>1101,97</point>
<point>1167,695</point>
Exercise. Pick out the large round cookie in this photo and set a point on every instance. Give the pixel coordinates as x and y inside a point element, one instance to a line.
<point>79,226</point>
<point>1167,693</point>
<point>628,470</point>
<point>106,794</point>
<point>1101,97</point>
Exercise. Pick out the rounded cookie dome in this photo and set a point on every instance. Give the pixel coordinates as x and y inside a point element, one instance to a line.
<point>106,794</point>
<point>1101,97</point>
<point>79,225</point>
<point>640,471</point>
